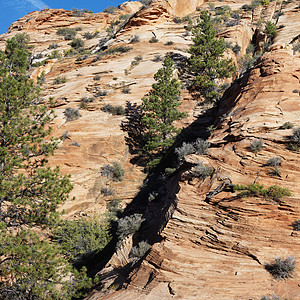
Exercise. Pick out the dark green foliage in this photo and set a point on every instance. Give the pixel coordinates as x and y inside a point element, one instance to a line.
<point>30,191</point>
<point>256,145</point>
<point>83,238</point>
<point>282,268</point>
<point>287,125</point>
<point>140,250</point>
<point>113,171</point>
<point>109,10</point>
<point>72,114</point>
<point>160,110</point>
<point>60,80</point>
<point>67,33</point>
<point>270,30</point>
<point>207,62</point>
<point>153,40</point>
<point>119,49</point>
<point>114,110</point>
<point>274,192</point>
<point>296,225</point>
<point>129,225</point>
<point>77,43</point>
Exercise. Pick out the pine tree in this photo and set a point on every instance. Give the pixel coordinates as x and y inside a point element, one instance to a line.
<point>206,61</point>
<point>160,110</point>
<point>30,191</point>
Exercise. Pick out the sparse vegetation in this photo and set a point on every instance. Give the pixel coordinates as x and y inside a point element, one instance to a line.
<point>270,30</point>
<point>77,43</point>
<point>169,43</point>
<point>119,49</point>
<point>296,135</point>
<point>85,100</point>
<point>256,145</point>
<point>184,150</point>
<point>140,250</point>
<point>129,225</point>
<point>282,268</point>
<point>202,171</point>
<point>67,33</point>
<point>109,10</point>
<point>71,114</point>
<point>296,225</point>
<point>153,40</point>
<point>287,125</point>
<point>101,93</point>
<point>60,80</point>
<point>89,36</point>
<point>53,46</point>
<point>275,172</point>
<point>274,162</point>
<point>114,171</point>
<point>134,39</point>
<point>274,192</point>
<point>96,77</point>
<point>79,12</point>
<point>126,90</point>
<point>157,58</point>
<point>83,238</point>
<point>107,191</point>
<point>201,146</point>
<point>117,110</point>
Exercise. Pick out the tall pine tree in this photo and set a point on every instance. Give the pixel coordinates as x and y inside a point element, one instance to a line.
<point>160,109</point>
<point>206,61</point>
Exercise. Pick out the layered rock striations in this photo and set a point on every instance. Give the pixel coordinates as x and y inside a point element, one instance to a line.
<point>203,247</point>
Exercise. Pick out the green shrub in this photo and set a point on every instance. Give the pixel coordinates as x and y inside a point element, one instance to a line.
<point>274,162</point>
<point>71,114</point>
<point>119,49</point>
<point>85,100</point>
<point>296,225</point>
<point>153,40</point>
<point>287,125</point>
<point>270,30</point>
<point>101,93</point>
<point>282,268</point>
<point>274,192</point>
<point>264,2</point>
<point>60,80</point>
<point>129,225</point>
<point>89,36</point>
<point>114,110</point>
<point>55,54</point>
<point>67,33</point>
<point>109,10</point>
<point>77,43</point>
<point>134,39</point>
<point>83,238</point>
<point>275,172</point>
<point>96,77</point>
<point>140,250</point>
<point>114,171</point>
<point>256,145</point>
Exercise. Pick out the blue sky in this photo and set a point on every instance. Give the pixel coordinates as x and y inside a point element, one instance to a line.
<point>12,10</point>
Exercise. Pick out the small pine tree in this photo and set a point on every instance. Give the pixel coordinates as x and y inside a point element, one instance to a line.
<point>206,61</point>
<point>160,110</point>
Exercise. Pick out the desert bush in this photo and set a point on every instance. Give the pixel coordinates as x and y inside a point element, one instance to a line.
<point>287,125</point>
<point>232,23</point>
<point>85,100</point>
<point>76,144</point>
<point>53,46</point>
<point>119,49</point>
<point>202,171</point>
<point>274,161</point>
<point>275,172</point>
<point>140,250</point>
<point>274,192</point>
<point>273,297</point>
<point>114,110</point>
<point>82,57</point>
<point>71,114</point>
<point>96,77</point>
<point>153,40</point>
<point>60,80</point>
<point>296,225</point>
<point>126,90</point>
<point>55,54</point>
<point>296,47</point>
<point>79,12</point>
<point>201,146</point>
<point>169,43</point>
<point>270,30</point>
<point>185,150</point>
<point>282,268</point>
<point>67,33</point>
<point>109,10</point>
<point>236,49</point>
<point>89,36</point>
<point>83,238</point>
<point>129,225</point>
<point>114,171</point>
<point>77,43</point>
<point>256,145</point>
<point>107,191</point>
<point>157,58</point>
<point>101,93</point>
<point>296,135</point>
<point>134,39</point>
